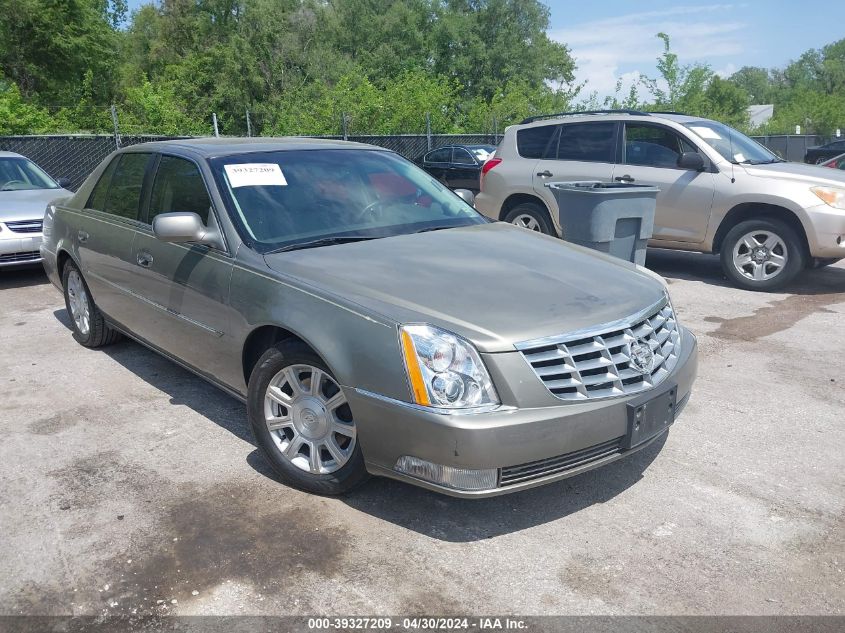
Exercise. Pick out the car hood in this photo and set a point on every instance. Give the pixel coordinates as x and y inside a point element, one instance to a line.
<point>494,284</point>
<point>28,204</point>
<point>801,172</point>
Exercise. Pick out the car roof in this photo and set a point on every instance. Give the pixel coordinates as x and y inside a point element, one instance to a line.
<point>615,116</point>
<point>11,155</point>
<point>210,147</point>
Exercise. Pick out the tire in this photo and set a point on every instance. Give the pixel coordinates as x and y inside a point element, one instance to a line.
<point>770,246</point>
<point>530,215</point>
<point>87,322</point>
<point>304,420</point>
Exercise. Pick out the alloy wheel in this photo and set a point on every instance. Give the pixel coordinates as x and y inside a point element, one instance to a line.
<point>526,221</point>
<point>760,255</point>
<point>309,419</point>
<point>78,300</point>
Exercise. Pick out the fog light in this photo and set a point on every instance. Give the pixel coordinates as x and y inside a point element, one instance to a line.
<point>457,478</point>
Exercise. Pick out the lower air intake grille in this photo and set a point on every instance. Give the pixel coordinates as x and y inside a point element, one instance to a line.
<point>561,464</point>
<point>14,258</point>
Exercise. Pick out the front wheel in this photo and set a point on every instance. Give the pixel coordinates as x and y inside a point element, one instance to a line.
<point>762,254</point>
<point>302,422</point>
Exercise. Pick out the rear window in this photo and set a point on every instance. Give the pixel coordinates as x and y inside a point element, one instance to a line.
<point>591,142</point>
<point>531,142</point>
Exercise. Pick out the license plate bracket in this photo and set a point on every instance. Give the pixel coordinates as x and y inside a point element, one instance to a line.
<point>650,414</point>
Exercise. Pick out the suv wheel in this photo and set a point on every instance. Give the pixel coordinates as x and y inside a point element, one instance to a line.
<point>302,422</point>
<point>762,254</point>
<point>89,327</point>
<point>531,216</point>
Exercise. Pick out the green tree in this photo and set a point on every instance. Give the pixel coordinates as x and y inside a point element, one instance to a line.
<point>757,83</point>
<point>19,117</point>
<point>47,48</point>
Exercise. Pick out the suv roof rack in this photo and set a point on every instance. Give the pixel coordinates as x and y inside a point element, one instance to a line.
<point>668,112</point>
<point>538,117</point>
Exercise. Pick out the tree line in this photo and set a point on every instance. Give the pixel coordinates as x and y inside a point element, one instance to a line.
<point>298,66</point>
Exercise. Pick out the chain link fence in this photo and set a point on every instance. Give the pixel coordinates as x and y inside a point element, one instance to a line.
<point>74,156</point>
<point>792,146</point>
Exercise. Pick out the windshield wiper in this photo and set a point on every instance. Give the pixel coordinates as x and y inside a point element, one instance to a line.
<point>748,161</point>
<point>323,241</point>
<point>435,228</point>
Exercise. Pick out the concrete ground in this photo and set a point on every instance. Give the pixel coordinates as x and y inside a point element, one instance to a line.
<point>129,486</point>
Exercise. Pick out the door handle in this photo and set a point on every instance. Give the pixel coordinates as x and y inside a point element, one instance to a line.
<point>82,236</point>
<point>545,174</point>
<point>145,259</point>
<point>625,178</point>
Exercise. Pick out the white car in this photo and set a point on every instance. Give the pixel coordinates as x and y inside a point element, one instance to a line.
<point>25,191</point>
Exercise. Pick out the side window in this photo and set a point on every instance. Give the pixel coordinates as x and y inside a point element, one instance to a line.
<point>594,142</point>
<point>438,156</point>
<point>124,196</point>
<point>97,200</point>
<point>179,187</point>
<point>531,142</point>
<point>653,146</point>
<point>462,157</point>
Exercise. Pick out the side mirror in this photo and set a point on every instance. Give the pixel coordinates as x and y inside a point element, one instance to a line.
<point>64,183</point>
<point>692,161</point>
<point>466,195</point>
<point>182,227</point>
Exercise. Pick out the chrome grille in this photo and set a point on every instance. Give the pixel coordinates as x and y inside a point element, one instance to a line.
<point>14,258</point>
<point>555,465</point>
<point>24,226</point>
<point>598,364</point>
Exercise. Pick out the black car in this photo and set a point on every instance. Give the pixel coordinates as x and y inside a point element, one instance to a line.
<point>816,155</point>
<point>457,166</point>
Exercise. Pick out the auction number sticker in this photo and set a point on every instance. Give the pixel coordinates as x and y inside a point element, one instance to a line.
<point>255,175</point>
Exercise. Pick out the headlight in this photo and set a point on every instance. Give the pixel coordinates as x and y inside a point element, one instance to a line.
<point>831,196</point>
<point>444,370</point>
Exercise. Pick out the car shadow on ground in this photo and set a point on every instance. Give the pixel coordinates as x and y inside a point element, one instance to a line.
<point>702,267</point>
<point>22,277</point>
<point>464,520</point>
<point>429,513</point>
<point>183,387</point>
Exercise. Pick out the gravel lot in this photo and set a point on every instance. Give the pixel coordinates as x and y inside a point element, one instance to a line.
<point>129,486</point>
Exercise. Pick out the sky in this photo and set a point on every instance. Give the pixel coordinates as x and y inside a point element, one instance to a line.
<point>611,38</point>
<point>614,38</point>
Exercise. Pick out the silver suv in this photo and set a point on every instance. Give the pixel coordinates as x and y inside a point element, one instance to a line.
<point>720,191</point>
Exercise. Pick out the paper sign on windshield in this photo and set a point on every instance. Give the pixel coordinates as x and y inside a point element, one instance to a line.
<point>255,175</point>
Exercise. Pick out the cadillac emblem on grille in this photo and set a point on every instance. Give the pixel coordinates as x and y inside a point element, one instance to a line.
<point>642,358</point>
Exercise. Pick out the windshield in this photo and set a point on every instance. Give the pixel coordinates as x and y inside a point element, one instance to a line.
<point>17,174</point>
<point>310,197</point>
<point>732,144</point>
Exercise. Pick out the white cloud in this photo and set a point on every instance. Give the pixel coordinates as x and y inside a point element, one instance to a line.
<point>626,46</point>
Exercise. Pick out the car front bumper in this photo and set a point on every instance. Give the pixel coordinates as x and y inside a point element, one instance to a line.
<point>551,443</point>
<point>19,248</point>
<point>826,233</point>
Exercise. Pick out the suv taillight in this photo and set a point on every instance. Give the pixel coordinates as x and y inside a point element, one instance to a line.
<point>490,164</point>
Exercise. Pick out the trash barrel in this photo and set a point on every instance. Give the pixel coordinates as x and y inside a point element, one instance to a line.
<point>614,218</point>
